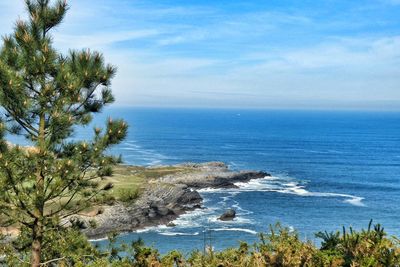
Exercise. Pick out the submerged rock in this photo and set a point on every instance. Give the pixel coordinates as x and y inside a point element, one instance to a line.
<point>171,224</point>
<point>228,215</point>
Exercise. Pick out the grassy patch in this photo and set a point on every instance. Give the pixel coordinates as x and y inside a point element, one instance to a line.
<point>127,195</point>
<point>129,181</point>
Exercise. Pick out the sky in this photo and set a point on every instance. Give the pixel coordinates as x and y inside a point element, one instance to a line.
<point>280,54</point>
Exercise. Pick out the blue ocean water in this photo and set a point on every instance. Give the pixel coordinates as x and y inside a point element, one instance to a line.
<point>329,169</point>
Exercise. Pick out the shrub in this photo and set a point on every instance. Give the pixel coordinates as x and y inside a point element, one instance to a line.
<point>128,195</point>
<point>278,248</point>
<point>93,223</point>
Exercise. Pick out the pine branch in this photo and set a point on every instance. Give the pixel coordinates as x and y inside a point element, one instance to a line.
<point>18,194</point>
<point>27,127</point>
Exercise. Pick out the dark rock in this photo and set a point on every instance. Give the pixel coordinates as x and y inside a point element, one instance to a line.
<point>189,196</point>
<point>171,224</point>
<point>163,211</point>
<point>152,214</point>
<point>197,206</point>
<point>228,215</point>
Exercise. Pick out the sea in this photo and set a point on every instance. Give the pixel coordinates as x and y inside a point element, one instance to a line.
<point>329,169</point>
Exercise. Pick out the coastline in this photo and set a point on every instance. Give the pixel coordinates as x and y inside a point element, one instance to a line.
<point>164,199</point>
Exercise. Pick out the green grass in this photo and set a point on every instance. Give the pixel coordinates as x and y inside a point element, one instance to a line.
<point>127,195</point>
<point>129,181</point>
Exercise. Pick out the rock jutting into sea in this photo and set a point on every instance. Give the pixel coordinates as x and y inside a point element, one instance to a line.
<point>165,198</point>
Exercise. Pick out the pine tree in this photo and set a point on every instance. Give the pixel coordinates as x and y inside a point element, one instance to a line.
<point>44,96</point>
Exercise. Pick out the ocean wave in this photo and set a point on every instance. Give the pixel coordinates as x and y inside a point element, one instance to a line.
<point>239,210</point>
<point>212,190</point>
<point>179,234</point>
<point>136,152</point>
<point>291,186</point>
<point>235,230</point>
<point>195,218</point>
<point>98,239</point>
<point>152,229</point>
<point>299,190</point>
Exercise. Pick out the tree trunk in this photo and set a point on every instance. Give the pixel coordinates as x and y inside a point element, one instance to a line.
<point>37,244</point>
<point>37,230</point>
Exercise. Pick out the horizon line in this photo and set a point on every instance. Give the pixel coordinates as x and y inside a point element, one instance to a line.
<point>393,110</point>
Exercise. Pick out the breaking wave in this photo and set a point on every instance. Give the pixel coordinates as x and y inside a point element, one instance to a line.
<point>290,186</point>
<point>179,234</point>
<point>136,154</point>
<point>283,186</point>
<point>235,230</point>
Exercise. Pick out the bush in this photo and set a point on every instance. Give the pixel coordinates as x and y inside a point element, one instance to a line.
<point>128,195</point>
<point>279,248</point>
<point>92,223</point>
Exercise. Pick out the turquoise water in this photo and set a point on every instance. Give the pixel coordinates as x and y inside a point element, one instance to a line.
<point>329,169</point>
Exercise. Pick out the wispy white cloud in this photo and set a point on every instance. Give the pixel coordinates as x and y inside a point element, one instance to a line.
<point>102,39</point>
<point>343,73</point>
<point>185,55</point>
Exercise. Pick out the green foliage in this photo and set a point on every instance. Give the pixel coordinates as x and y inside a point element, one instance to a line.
<point>69,246</point>
<point>330,241</point>
<point>278,248</point>
<point>173,258</point>
<point>44,96</point>
<point>282,247</point>
<point>128,195</point>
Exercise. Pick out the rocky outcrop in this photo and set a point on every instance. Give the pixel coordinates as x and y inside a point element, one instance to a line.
<point>157,205</point>
<point>212,175</point>
<point>166,198</point>
<point>228,215</point>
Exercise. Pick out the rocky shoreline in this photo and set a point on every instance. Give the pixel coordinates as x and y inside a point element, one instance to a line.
<point>165,198</point>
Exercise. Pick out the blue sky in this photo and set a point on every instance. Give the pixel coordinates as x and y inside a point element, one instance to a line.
<point>332,54</point>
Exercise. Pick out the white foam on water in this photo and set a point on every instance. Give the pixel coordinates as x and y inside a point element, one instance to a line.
<point>179,234</point>
<point>212,190</point>
<point>152,229</point>
<point>236,220</point>
<point>98,239</point>
<point>356,201</point>
<point>149,156</point>
<point>258,184</point>
<point>290,186</point>
<point>296,189</point>
<point>239,210</point>
<point>224,199</point>
<point>235,230</point>
<point>195,218</point>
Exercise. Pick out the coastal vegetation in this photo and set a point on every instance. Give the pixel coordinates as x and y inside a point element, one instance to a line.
<point>279,247</point>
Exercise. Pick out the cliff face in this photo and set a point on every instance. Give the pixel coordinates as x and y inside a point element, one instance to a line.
<point>167,197</point>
